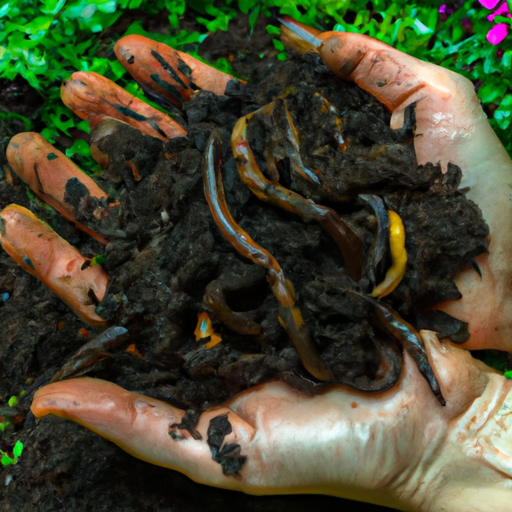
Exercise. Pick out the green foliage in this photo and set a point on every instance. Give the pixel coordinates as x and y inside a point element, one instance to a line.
<point>12,115</point>
<point>99,259</point>
<point>45,41</point>
<point>7,460</point>
<point>495,359</point>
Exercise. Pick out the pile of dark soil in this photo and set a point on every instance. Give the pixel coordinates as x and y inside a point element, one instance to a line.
<point>167,262</point>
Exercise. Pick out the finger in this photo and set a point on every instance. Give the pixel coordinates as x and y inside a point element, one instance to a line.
<point>166,73</point>
<point>268,440</point>
<point>47,171</point>
<point>299,37</point>
<point>447,109</point>
<point>388,74</point>
<point>461,377</point>
<point>94,97</point>
<point>152,430</point>
<point>44,254</point>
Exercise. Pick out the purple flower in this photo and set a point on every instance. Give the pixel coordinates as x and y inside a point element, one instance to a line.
<point>445,11</point>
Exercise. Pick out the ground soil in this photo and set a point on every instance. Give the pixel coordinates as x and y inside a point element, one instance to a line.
<point>166,257</point>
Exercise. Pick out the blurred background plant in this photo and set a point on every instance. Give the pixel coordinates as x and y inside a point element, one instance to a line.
<point>44,41</point>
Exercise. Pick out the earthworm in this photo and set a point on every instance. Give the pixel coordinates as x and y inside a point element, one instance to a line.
<point>215,298</point>
<point>380,241</point>
<point>398,257</point>
<point>290,315</point>
<point>390,321</point>
<point>91,352</point>
<point>345,237</point>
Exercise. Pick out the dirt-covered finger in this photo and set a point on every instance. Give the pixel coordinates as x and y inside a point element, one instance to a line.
<point>207,447</point>
<point>48,173</point>
<point>44,254</point>
<point>166,73</point>
<point>94,98</point>
<point>393,77</point>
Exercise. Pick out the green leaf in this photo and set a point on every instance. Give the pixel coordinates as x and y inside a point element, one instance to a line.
<point>52,6</point>
<point>224,65</point>
<point>13,401</point>
<point>79,147</point>
<point>506,60</point>
<point>278,44</point>
<point>29,194</point>
<point>50,134</point>
<point>84,126</point>
<point>99,259</point>
<point>246,5</point>
<point>421,28</point>
<point>13,115</point>
<point>503,19</point>
<point>253,18</point>
<point>6,460</point>
<point>4,10</point>
<point>273,31</point>
<point>503,114</point>
<point>61,119</point>
<point>117,68</point>
<point>492,91</point>
<point>18,449</point>
<point>39,23</point>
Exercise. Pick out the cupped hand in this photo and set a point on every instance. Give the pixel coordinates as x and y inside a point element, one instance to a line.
<point>399,448</point>
<point>450,127</point>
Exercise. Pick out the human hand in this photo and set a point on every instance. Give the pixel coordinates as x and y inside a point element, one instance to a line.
<point>395,448</point>
<point>450,127</point>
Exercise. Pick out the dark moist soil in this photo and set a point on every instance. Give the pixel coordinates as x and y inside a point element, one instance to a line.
<point>168,262</point>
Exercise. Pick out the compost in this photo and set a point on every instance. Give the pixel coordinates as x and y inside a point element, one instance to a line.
<point>168,262</point>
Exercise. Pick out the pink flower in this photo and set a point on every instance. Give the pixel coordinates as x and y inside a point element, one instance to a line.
<point>502,9</point>
<point>499,31</point>
<point>489,4</point>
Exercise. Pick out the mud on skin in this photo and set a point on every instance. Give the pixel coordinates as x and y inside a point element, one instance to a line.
<point>165,251</point>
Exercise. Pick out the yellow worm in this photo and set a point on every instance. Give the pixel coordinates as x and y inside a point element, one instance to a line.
<point>398,257</point>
